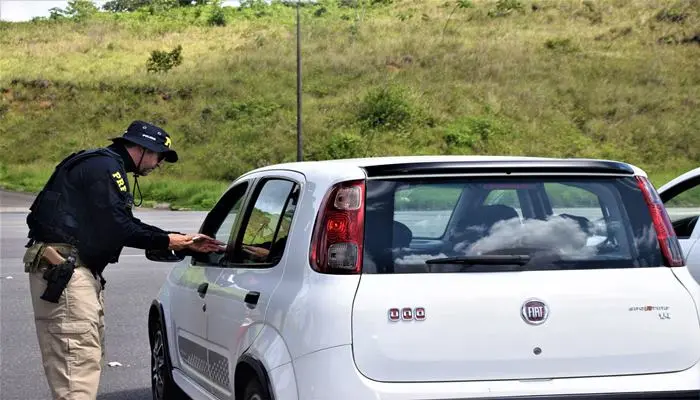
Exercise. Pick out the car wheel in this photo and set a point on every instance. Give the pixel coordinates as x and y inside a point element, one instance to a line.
<point>162,385</point>
<point>255,391</point>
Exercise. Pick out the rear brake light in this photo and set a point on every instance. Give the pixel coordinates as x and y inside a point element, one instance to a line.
<point>670,247</point>
<point>336,246</point>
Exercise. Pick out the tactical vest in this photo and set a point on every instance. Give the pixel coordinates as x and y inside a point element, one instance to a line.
<point>52,216</point>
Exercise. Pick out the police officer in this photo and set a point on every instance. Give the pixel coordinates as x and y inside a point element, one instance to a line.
<point>78,224</point>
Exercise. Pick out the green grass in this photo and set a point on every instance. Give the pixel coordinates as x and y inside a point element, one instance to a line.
<point>611,79</point>
<point>179,194</point>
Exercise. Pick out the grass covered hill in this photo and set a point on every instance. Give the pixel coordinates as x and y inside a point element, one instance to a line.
<point>610,78</point>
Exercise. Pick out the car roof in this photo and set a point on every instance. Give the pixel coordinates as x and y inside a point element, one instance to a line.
<point>332,167</point>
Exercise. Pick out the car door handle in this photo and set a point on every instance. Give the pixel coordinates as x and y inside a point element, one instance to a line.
<point>202,289</point>
<point>252,298</point>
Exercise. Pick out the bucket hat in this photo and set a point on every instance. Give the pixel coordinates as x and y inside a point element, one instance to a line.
<point>150,137</point>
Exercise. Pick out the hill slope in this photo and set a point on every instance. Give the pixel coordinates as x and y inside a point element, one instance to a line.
<point>613,79</point>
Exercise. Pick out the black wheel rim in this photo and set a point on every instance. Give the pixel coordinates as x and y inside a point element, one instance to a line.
<point>158,366</point>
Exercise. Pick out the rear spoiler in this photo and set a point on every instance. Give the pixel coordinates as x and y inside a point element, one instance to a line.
<point>499,167</point>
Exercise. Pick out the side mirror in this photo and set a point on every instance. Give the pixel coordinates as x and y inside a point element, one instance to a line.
<point>164,256</point>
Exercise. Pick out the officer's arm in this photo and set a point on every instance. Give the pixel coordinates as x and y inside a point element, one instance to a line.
<point>149,227</point>
<point>108,200</point>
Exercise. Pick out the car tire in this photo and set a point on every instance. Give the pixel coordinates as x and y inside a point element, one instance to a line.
<point>255,391</point>
<point>163,386</point>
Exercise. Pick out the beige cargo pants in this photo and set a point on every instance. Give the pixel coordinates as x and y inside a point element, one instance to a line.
<point>70,333</point>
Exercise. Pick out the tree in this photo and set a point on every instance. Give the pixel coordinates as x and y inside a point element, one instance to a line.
<point>133,5</point>
<point>124,5</point>
<point>77,9</point>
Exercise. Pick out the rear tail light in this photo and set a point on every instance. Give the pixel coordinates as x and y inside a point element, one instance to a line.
<point>670,247</point>
<point>336,246</point>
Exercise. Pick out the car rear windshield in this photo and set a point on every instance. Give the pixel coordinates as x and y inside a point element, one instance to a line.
<point>483,224</point>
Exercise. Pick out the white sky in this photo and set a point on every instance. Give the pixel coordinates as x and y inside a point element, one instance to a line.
<point>25,10</point>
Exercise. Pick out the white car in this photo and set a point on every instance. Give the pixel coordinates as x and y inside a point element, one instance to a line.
<point>440,277</point>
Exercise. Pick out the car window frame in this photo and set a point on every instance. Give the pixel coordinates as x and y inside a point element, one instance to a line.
<point>218,214</point>
<point>242,223</point>
<point>450,220</point>
<point>671,194</point>
<point>537,205</point>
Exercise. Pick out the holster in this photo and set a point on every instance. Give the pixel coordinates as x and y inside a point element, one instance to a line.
<point>57,268</point>
<point>58,272</point>
<point>57,278</point>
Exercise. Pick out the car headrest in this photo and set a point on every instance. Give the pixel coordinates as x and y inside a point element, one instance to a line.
<point>484,217</point>
<point>495,213</point>
<point>402,235</point>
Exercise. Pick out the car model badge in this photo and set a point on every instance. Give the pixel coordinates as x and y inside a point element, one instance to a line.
<point>394,314</point>
<point>534,312</point>
<point>407,314</point>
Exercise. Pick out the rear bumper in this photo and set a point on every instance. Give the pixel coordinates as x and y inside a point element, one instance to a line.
<point>678,395</point>
<point>331,374</point>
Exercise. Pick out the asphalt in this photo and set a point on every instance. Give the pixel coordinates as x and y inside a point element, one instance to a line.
<point>15,202</point>
<point>131,286</point>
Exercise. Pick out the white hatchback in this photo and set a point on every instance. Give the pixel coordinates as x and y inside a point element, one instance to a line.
<point>432,278</point>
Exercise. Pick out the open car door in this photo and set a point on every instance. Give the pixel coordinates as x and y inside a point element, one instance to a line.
<point>681,197</point>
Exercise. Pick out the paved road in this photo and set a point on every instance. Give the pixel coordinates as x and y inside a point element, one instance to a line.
<point>11,201</point>
<point>132,284</point>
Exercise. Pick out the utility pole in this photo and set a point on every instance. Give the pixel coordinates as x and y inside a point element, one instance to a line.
<point>299,141</point>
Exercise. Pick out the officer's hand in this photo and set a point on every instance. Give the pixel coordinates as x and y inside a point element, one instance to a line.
<point>179,242</point>
<point>206,244</point>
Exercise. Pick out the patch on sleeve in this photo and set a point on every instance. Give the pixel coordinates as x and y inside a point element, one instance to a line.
<point>129,201</point>
<point>119,180</point>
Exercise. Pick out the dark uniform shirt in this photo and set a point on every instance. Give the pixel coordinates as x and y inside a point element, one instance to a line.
<point>104,211</point>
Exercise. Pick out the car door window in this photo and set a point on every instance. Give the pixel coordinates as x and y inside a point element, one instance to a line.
<point>504,197</point>
<point>688,199</point>
<point>425,210</point>
<point>264,232</point>
<point>285,224</point>
<point>221,222</point>
<point>574,201</point>
<point>683,211</point>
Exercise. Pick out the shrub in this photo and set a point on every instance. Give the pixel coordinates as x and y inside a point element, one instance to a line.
<point>162,61</point>
<point>345,145</point>
<point>384,109</point>
<point>472,132</point>
<point>217,17</point>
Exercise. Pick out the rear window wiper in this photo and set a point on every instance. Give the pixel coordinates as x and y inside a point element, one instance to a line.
<point>482,260</point>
